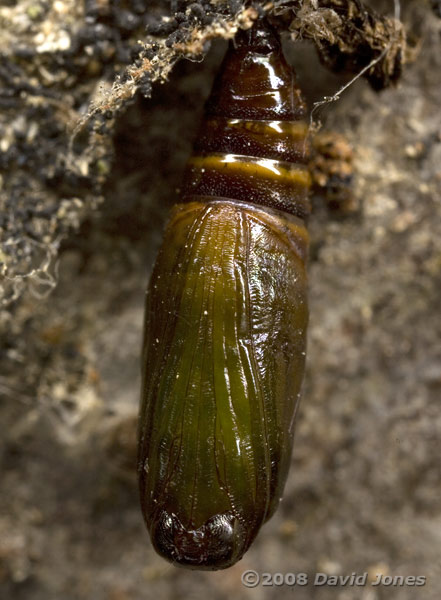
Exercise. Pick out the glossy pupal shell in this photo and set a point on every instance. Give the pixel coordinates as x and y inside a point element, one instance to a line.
<point>226,318</point>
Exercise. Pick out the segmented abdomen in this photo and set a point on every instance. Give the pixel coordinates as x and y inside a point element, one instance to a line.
<point>226,319</point>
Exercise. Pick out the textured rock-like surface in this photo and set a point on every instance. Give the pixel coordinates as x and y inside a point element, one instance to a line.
<point>363,494</point>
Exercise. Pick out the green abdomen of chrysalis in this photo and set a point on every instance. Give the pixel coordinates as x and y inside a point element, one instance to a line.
<point>226,318</point>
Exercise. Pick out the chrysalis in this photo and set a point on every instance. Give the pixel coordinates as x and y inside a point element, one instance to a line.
<point>226,317</point>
